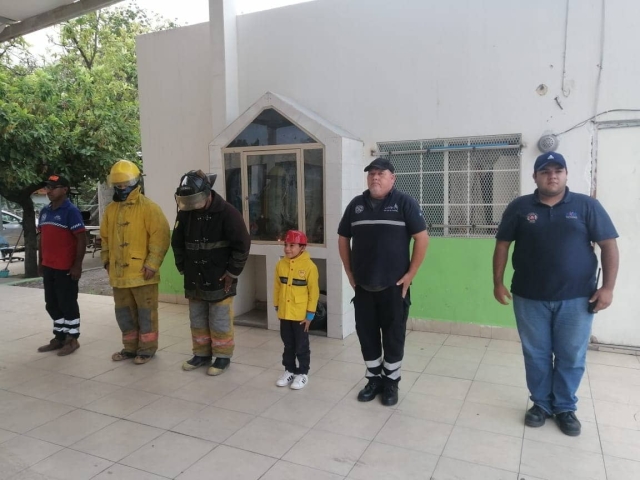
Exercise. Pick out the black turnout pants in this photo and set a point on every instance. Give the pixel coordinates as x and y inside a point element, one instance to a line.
<point>61,302</point>
<point>381,323</point>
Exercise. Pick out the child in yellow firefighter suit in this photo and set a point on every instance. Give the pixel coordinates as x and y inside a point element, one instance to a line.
<point>295,297</point>
<point>135,239</point>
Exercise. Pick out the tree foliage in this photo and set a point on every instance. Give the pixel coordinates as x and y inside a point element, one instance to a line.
<point>76,112</point>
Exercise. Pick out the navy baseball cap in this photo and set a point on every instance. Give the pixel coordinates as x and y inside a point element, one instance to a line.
<point>547,158</point>
<point>380,164</point>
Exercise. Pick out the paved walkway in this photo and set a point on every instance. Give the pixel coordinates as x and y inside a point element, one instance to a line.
<point>460,415</point>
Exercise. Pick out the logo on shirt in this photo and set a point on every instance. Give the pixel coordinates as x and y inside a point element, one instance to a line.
<point>44,217</point>
<point>532,217</point>
<point>573,215</point>
<point>57,217</point>
<point>301,273</point>
<point>391,208</point>
<point>359,208</point>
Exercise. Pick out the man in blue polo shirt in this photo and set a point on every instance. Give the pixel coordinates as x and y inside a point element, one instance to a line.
<point>554,285</point>
<point>374,237</point>
<point>62,249</point>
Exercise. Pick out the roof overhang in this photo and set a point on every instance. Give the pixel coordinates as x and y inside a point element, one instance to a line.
<point>27,16</point>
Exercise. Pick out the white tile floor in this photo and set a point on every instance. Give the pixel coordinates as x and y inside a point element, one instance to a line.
<point>460,415</point>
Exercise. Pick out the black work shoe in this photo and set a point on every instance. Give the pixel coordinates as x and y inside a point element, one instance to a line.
<point>390,395</point>
<point>370,390</point>
<point>569,423</point>
<point>196,362</point>
<point>536,417</point>
<point>219,366</point>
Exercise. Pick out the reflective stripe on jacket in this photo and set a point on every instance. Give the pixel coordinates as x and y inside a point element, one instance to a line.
<point>206,245</point>
<point>295,287</point>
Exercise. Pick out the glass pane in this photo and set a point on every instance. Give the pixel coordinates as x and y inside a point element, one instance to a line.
<point>270,128</point>
<point>273,195</point>
<point>313,198</point>
<point>233,179</point>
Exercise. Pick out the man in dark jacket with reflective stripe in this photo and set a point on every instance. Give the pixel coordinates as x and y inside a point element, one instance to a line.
<point>374,237</point>
<point>211,246</point>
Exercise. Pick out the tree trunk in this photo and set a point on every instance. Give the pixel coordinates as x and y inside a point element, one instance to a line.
<point>30,237</point>
<point>23,198</point>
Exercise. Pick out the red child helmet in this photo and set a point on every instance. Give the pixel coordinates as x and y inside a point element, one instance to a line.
<point>296,236</point>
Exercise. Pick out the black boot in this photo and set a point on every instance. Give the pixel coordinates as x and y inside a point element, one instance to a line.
<point>196,362</point>
<point>219,366</point>
<point>370,390</point>
<point>535,417</point>
<point>390,394</point>
<point>569,423</point>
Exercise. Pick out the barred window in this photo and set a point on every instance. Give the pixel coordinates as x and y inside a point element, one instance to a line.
<point>463,185</point>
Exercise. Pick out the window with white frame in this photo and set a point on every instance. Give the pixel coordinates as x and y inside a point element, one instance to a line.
<point>463,184</point>
<point>274,175</point>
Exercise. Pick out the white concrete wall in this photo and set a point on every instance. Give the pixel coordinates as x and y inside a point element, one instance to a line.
<point>406,69</point>
<point>619,191</point>
<point>621,70</point>
<point>617,174</point>
<point>393,70</point>
<point>411,69</point>
<point>175,112</point>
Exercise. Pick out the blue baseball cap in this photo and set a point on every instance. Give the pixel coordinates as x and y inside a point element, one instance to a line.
<point>547,158</point>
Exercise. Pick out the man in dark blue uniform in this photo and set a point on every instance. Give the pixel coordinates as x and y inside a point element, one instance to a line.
<point>554,286</point>
<point>374,238</point>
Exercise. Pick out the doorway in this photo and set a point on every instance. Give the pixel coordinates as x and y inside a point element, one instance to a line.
<point>617,179</point>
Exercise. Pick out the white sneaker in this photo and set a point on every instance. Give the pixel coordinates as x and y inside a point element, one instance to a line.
<point>285,379</point>
<point>299,382</point>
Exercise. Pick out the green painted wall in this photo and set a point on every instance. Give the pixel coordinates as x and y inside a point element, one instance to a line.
<point>455,284</point>
<point>171,281</point>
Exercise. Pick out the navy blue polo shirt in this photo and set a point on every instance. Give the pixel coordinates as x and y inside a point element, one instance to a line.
<point>553,257</point>
<point>381,236</point>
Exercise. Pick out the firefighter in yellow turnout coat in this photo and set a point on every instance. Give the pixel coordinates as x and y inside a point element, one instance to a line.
<point>135,239</point>
<point>295,297</point>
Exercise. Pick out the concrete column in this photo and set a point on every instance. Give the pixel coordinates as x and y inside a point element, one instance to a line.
<point>105,195</point>
<point>224,51</point>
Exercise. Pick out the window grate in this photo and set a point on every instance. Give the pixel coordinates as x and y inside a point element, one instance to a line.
<point>463,185</point>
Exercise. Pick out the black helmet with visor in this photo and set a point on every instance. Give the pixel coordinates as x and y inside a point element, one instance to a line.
<point>194,190</point>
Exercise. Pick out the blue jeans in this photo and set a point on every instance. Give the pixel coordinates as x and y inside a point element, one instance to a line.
<point>555,337</point>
